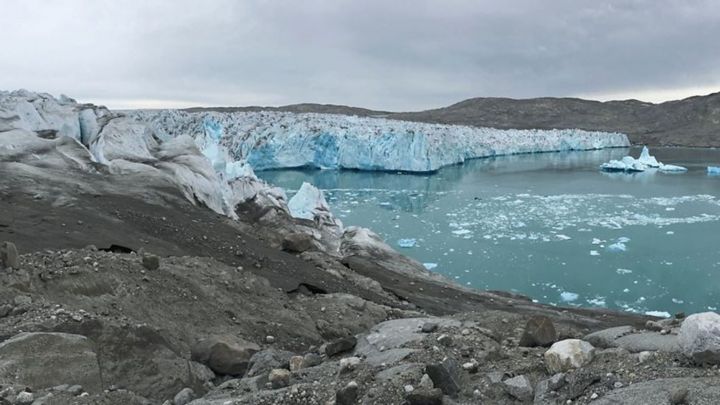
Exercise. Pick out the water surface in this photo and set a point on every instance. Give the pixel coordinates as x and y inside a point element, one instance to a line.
<point>549,225</point>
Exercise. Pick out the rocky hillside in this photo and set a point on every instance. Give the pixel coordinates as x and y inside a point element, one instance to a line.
<point>693,121</point>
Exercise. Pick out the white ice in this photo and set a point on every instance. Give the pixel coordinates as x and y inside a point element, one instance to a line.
<point>273,140</point>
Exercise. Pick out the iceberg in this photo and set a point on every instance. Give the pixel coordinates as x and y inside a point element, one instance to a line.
<point>646,161</point>
<point>278,140</point>
<point>713,170</point>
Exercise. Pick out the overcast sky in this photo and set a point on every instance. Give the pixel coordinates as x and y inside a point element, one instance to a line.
<point>382,54</point>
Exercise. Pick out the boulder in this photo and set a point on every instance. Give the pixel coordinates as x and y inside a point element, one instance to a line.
<point>446,375</point>
<point>151,262</point>
<point>425,397</point>
<point>266,360</point>
<point>43,360</point>
<point>297,242</point>
<point>519,387</point>
<point>606,338</point>
<point>699,337</point>
<point>341,345</point>
<point>8,255</point>
<point>347,395</point>
<point>567,354</point>
<point>539,331</point>
<point>184,397</point>
<point>279,378</point>
<point>649,341</point>
<point>225,355</point>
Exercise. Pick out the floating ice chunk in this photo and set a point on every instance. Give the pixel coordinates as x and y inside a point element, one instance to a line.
<point>617,247</point>
<point>597,241</point>
<point>713,170</point>
<point>563,237</point>
<point>597,301</point>
<point>430,266</point>
<point>461,232</point>
<point>594,253</point>
<point>626,164</point>
<point>623,271</point>
<point>659,314</point>
<point>407,243</point>
<point>623,239</point>
<point>567,296</point>
<point>672,168</point>
<point>677,301</point>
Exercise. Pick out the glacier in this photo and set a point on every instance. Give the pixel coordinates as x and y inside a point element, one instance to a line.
<point>646,161</point>
<point>279,140</point>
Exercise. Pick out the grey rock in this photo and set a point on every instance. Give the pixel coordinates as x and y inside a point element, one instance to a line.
<point>446,375</point>
<point>679,396</point>
<point>649,341</point>
<point>567,354</point>
<point>539,331</point>
<point>24,398</point>
<point>23,300</point>
<point>151,262</point>
<point>699,337</point>
<point>519,387</point>
<point>279,378</point>
<point>75,389</point>
<point>347,395</point>
<point>266,360</point>
<point>44,360</point>
<point>8,256</point>
<point>184,397</point>
<point>401,372</point>
<point>225,355</point>
<point>341,345</point>
<point>426,382</point>
<point>606,338</point>
<point>425,397</point>
<point>445,340</point>
<point>311,360</point>
<point>297,242</point>
<point>296,363</point>
<point>429,327</point>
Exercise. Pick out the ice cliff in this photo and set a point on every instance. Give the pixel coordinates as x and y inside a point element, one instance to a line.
<point>275,140</point>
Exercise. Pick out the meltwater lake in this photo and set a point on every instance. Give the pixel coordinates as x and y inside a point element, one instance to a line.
<point>550,226</point>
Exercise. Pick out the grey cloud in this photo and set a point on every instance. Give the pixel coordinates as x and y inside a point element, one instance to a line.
<point>397,55</point>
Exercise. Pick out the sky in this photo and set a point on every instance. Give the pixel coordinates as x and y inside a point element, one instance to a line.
<point>383,54</point>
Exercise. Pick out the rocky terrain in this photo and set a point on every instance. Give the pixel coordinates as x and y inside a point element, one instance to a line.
<point>694,121</point>
<point>132,272</point>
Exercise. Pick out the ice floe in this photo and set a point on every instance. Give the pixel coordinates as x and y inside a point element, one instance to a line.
<point>713,170</point>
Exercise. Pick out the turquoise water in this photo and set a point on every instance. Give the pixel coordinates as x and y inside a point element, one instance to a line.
<point>550,226</point>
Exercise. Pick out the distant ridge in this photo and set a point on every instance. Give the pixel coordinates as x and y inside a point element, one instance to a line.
<point>694,121</point>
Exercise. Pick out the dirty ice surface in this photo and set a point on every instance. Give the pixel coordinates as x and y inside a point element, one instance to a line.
<point>550,226</point>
